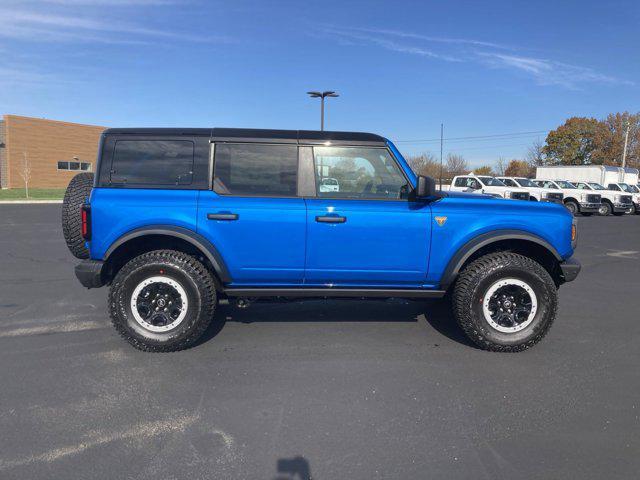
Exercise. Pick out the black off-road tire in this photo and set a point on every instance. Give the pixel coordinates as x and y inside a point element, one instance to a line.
<point>75,196</point>
<point>193,277</point>
<point>475,281</point>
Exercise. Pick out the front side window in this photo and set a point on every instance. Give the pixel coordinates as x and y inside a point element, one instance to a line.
<point>525,182</point>
<point>461,182</point>
<point>365,173</point>
<point>596,186</point>
<point>582,186</point>
<point>566,185</point>
<point>256,170</point>
<point>508,182</point>
<point>153,162</point>
<point>613,186</point>
<point>491,182</point>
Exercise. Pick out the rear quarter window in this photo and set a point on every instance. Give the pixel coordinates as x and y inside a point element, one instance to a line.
<point>152,162</point>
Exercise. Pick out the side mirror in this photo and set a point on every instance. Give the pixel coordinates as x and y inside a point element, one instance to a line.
<point>426,187</point>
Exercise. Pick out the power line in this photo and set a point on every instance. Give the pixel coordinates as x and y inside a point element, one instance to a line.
<point>476,137</point>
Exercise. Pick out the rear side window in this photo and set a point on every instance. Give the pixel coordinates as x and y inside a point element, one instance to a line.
<point>256,170</point>
<point>461,182</point>
<point>153,162</point>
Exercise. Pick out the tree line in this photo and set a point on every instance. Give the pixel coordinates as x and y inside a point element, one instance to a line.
<point>578,141</point>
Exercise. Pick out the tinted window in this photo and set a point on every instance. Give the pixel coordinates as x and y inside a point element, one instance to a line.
<point>346,172</point>
<point>63,165</point>
<point>74,165</point>
<point>251,169</point>
<point>153,162</point>
<point>509,182</point>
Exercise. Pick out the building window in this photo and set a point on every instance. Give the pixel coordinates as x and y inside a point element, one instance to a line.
<point>85,166</point>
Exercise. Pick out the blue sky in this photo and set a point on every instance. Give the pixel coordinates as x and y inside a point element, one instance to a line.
<point>401,67</point>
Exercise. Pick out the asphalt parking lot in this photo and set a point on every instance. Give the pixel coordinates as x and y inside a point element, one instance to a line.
<point>320,389</point>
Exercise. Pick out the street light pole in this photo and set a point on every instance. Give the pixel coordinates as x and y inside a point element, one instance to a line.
<point>322,96</point>
<point>626,141</point>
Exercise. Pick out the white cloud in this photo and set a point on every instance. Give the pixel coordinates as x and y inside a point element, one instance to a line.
<point>34,26</point>
<point>472,51</point>
<point>550,72</point>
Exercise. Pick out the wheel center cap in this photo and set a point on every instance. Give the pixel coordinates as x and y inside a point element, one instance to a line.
<point>161,302</point>
<point>507,303</point>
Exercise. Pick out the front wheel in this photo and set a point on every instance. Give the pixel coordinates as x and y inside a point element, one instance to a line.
<point>162,301</point>
<point>505,302</point>
<point>572,207</point>
<point>605,209</point>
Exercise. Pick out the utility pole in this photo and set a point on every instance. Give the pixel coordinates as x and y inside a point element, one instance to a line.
<point>626,141</point>
<point>322,96</point>
<point>441,148</point>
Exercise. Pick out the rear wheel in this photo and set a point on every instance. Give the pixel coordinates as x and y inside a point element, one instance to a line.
<point>505,302</point>
<point>162,301</point>
<point>572,207</point>
<point>75,196</point>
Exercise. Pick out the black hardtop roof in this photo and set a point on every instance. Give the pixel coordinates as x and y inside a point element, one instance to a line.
<point>259,135</point>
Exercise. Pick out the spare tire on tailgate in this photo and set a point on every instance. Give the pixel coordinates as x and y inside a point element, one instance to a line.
<point>76,195</point>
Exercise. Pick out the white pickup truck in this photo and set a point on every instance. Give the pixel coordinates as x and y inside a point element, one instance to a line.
<point>575,200</point>
<point>616,200</point>
<point>487,185</point>
<point>537,194</point>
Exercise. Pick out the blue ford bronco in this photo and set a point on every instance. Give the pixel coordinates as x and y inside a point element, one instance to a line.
<point>177,220</point>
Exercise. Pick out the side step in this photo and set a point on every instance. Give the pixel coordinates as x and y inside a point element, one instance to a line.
<point>334,292</point>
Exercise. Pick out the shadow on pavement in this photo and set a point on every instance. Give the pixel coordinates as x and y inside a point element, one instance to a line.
<point>296,468</point>
<point>436,313</point>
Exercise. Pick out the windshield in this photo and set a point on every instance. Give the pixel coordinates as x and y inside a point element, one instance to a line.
<point>634,189</point>
<point>626,188</point>
<point>596,186</point>
<point>525,182</point>
<point>564,184</point>
<point>492,182</point>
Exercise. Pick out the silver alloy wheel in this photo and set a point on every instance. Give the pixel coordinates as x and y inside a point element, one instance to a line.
<point>604,209</point>
<point>159,304</point>
<point>510,305</point>
<point>572,207</point>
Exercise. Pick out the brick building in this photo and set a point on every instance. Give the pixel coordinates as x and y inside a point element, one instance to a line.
<point>54,151</point>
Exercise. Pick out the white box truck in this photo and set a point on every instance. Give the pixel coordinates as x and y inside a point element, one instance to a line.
<point>599,179</point>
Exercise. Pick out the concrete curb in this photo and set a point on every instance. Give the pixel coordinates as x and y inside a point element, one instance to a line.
<point>27,202</point>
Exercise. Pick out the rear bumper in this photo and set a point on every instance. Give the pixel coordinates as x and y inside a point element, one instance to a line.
<point>589,207</point>
<point>89,273</point>
<point>570,269</point>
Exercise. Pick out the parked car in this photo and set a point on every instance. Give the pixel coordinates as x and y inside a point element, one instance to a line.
<point>594,177</point>
<point>575,200</point>
<point>177,220</point>
<point>487,185</point>
<point>536,193</point>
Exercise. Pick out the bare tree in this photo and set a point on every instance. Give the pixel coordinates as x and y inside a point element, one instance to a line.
<point>535,154</point>
<point>25,172</point>
<point>501,166</point>
<point>456,165</point>
<point>425,164</point>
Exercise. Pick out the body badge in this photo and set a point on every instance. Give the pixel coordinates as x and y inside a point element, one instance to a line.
<point>441,220</point>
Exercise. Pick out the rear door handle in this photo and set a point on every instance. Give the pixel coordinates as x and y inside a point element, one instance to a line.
<point>330,219</point>
<point>222,216</point>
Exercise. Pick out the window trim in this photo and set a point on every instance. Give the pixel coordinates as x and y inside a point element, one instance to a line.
<point>393,159</point>
<point>213,168</point>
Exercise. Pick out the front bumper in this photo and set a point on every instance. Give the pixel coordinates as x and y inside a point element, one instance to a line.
<point>589,207</point>
<point>570,269</point>
<point>622,207</point>
<point>89,273</point>
<point>552,200</point>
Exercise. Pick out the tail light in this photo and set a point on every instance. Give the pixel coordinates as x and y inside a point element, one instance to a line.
<point>85,215</point>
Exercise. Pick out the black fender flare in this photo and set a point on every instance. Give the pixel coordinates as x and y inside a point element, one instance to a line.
<point>476,243</point>
<point>201,243</point>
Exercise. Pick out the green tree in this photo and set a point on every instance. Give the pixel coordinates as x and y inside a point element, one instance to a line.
<point>572,143</point>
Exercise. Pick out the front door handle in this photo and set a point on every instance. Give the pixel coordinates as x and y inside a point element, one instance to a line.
<point>222,216</point>
<point>330,219</point>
